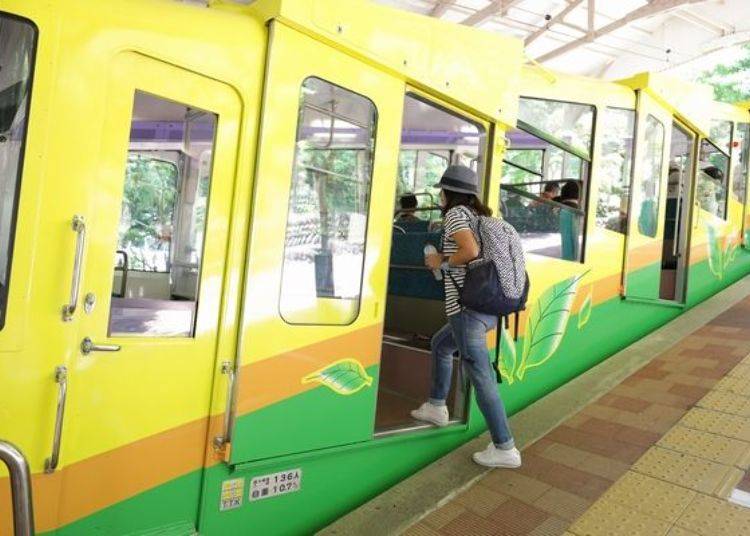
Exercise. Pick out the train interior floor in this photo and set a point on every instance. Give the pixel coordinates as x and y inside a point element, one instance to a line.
<point>666,451</point>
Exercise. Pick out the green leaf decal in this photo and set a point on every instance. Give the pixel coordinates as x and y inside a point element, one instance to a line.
<point>585,313</point>
<point>546,323</point>
<point>715,253</point>
<point>344,377</point>
<point>507,364</point>
<point>721,250</point>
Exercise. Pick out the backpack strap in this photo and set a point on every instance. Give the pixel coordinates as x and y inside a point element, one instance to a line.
<point>496,364</point>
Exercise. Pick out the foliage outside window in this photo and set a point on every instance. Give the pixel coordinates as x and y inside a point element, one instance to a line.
<point>147,218</point>
<point>615,169</point>
<point>713,178</point>
<point>721,134</point>
<point>569,122</point>
<point>653,163</point>
<point>328,206</point>
<point>740,175</point>
<point>418,171</point>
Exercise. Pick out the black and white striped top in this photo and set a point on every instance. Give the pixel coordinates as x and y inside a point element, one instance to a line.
<point>456,219</point>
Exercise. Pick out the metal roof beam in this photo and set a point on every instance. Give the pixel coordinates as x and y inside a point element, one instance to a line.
<point>441,7</point>
<point>652,8</point>
<point>496,7</point>
<point>554,20</point>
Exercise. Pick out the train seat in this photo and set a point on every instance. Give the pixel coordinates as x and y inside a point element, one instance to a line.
<point>408,275</point>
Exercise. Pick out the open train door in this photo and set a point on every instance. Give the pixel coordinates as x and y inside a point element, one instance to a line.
<point>645,239</point>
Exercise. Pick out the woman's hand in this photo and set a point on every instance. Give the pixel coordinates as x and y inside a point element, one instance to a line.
<point>433,261</point>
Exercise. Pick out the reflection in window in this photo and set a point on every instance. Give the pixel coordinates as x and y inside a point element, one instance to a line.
<point>615,169</point>
<point>329,199</point>
<point>739,179</point>
<point>721,134</point>
<point>568,122</point>
<point>713,179</point>
<point>162,220</point>
<point>653,161</point>
<point>17,44</point>
<point>542,192</point>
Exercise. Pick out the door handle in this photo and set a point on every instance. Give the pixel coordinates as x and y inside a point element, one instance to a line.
<point>61,378</point>
<point>69,309</point>
<point>88,346</point>
<point>220,442</point>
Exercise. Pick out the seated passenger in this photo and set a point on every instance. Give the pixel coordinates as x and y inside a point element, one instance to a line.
<point>408,204</point>
<point>570,221</point>
<point>550,192</point>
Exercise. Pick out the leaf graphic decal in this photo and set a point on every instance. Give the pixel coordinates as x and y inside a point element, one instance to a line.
<point>507,363</point>
<point>546,323</point>
<point>585,313</point>
<point>715,254</point>
<point>721,251</point>
<point>344,377</point>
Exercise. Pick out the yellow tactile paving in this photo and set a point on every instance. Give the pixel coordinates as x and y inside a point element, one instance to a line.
<point>607,518</point>
<point>739,385</point>
<point>718,423</point>
<point>740,371</point>
<point>679,531</point>
<point>709,516</point>
<point>720,449</point>
<point>726,402</point>
<point>650,497</point>
<point>689,471</point>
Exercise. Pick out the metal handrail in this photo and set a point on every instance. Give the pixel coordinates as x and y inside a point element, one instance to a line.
<point>61,378</point>
<point>20,488</point>
<point>220,442</point>
<point>69,309</point>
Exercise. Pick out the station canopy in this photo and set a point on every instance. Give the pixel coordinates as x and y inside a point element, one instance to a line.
<point>608,39</point>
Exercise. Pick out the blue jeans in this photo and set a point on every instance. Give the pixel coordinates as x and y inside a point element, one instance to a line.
<point>466,333</point>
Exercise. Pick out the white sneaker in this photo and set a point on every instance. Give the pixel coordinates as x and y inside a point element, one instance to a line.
<point>437,415</point>
<point>495,457</point>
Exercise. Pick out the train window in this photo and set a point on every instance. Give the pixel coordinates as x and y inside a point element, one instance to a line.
<point>17,44</point>
<point>742,147</point>
<point>324,249</point>
<point>713,179</point>
<point>163,218</point>
<point>653,162</point>
<point>544,185</point>
<point>570,122</point>
<point>618,129</point>
<point>721,134</point>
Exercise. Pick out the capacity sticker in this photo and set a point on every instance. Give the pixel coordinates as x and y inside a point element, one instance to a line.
<point>263,487</point>
<point>231,494</point>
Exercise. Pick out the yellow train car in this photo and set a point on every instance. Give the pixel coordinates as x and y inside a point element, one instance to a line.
<point>214,314</point>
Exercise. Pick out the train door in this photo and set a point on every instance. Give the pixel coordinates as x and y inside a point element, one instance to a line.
<point>318,251</point>
<point>645,239</point>
<point>152,239</point>
<point>674,260</point>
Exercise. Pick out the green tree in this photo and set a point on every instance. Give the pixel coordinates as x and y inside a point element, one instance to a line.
<point>731,82</point>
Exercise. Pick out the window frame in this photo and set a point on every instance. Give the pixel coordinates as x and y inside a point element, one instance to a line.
<point>726,183</point>
<point>659,175</point>
<point>5,293</point>
<point>631,175</point>
<point>297,130</point>
<point>589,159</point>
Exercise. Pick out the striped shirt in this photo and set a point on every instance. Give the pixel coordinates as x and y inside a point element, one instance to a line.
<point>457,219</point>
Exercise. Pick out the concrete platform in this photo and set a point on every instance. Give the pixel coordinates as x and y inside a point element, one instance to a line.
<point>654,441</point>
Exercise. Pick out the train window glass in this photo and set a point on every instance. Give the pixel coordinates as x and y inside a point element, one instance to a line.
<point>17,44</point>
<point>162,220</point>
<point>543,193</point>
<point>742,149</point>
<point>721,134</point>
<point>324,250</point>
<point>418,171</point>
<point>618,129</point>
<point>713,179</point>
<point>653,162</point>
<point>569,122</point>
